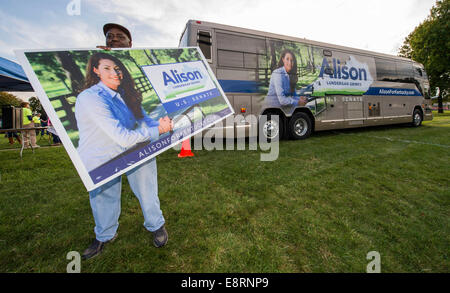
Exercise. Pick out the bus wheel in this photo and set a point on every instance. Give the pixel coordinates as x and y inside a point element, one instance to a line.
<point>300,126</point>
<point>271,129</point>
<point>417,118</point>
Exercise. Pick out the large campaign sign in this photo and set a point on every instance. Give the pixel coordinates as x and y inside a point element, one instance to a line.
<point>107,106</point>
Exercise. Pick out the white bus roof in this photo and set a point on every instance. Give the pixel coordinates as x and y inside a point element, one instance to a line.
<point>294,39</point>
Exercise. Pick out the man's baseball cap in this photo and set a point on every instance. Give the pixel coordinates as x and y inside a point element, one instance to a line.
<point>109,26</point>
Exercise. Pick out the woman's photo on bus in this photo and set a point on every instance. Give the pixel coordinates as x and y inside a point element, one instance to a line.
<point>283,82</point>
<point>109,113</point>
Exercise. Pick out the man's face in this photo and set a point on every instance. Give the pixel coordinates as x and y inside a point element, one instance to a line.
<point>116,38</point>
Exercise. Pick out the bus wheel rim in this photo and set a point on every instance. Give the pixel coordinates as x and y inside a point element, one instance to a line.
<point>417,119</point>
<point>270,129</point>
<point>300,127</point>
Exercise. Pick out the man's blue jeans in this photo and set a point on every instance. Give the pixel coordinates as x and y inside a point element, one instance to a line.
<point>105,201</point>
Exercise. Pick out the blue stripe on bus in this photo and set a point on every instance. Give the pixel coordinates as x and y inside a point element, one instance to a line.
<point>386,91</point>
<point>239,86</point>
<point>246,86</point>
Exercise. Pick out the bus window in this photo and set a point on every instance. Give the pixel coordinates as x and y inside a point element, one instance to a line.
<point>250,60</point>
<point>241,44</point>
<point>386,69</point>
<point>418,72</point>
<point>241,60</point>
<point>204,42</point>
<point>230,58</point>
<point>405,70</point>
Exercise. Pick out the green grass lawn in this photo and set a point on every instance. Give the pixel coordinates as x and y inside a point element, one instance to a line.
<point>321,207</point>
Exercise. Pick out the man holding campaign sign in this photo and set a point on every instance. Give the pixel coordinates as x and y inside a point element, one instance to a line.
<point>119,120</point>
<point>110,120</point>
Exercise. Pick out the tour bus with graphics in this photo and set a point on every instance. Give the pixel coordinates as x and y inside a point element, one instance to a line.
<point>296,86</point>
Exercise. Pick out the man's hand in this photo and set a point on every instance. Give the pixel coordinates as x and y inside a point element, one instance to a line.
<point>165,125</point>
<point>104,48</point>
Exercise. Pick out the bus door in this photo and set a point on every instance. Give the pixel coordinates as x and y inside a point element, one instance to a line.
<point>353,111</point>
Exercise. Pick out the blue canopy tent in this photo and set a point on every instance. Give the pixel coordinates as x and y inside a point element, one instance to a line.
<point>12,77</point>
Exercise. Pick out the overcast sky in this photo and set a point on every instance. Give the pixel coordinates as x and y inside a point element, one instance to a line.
<point>376,25</point>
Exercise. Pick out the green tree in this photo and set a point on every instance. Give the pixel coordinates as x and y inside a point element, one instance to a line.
<point>429,44</point>
<point>9,99</point>
<point>35,105</point>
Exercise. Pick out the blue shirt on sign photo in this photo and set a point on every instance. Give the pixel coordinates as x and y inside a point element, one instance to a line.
<point>279,93</point>
<point>107,127</point>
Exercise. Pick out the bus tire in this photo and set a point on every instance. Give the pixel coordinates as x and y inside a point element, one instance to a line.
<point>417,118</point>
<point>300,126</point>
<point>271,129</point>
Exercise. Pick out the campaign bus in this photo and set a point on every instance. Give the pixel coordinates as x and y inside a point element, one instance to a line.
<point>301,86</point>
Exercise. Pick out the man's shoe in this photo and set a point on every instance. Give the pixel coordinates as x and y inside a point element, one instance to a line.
<point>96,248</point>
<point>160,237</point>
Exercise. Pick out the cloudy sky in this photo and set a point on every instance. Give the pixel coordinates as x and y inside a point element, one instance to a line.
<point>376,25</point>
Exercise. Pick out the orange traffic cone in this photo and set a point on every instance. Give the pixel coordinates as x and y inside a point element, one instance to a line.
<point>185,149</point>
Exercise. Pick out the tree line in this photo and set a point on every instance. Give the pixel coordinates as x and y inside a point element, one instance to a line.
<point>429,44</point>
